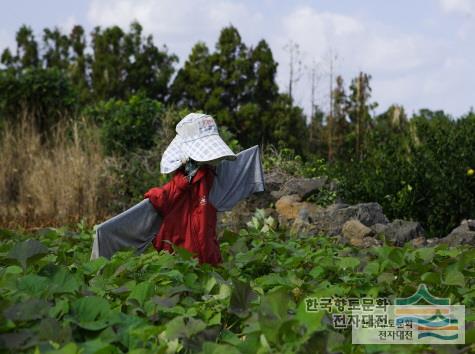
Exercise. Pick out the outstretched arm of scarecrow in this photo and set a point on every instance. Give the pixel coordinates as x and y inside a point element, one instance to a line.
<point>237,179</point>
<point>162,198</point>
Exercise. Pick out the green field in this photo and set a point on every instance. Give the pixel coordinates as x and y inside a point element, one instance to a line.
<point>54,300</point>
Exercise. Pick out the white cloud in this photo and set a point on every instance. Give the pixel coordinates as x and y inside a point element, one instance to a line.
<point>156,16</point>
<point>440,87</point>
<point>392,52</point>
<point>365,44</point>
<point>401,64</point>
<point>463,7</point>
<point>316,31</point>
<point>178,23</point>
<point>465,26</point>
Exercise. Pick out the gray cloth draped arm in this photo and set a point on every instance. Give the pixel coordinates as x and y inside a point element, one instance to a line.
<point>136,227</point>
<point>236,180</point>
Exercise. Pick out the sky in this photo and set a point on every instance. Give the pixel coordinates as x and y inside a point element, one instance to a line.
<point>419,54</point>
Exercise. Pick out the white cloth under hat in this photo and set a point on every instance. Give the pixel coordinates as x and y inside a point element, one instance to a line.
<point>173,156</point>
<point>197,138</point>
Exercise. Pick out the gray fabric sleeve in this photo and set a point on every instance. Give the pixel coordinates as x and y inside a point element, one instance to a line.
<point>237,179</point>
<point>134,228</point>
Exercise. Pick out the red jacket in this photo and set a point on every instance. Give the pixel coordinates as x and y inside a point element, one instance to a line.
<point>189,220</point>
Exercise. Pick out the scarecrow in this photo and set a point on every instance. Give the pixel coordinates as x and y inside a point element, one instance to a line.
<point>207,177</point>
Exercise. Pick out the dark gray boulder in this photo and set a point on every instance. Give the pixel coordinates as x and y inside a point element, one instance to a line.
<point>464,234</point>
<point>401,231</point>
<point>332,219</point>
<point>303,187</point>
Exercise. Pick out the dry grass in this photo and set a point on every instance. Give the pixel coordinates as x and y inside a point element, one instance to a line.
<point>61,182</point>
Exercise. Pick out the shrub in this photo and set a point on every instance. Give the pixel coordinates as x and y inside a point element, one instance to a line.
<point>44,95</point>
<point>127,125</point>
<point>443,193</point>
<point>288,161</point>
<point>419,173</point>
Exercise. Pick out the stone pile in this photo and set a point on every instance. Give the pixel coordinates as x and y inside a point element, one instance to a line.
<point>361,225</point>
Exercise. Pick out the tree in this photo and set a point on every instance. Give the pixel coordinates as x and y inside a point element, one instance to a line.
<point>317,144</point>
<point>127,126</point>
<point>148,69</point>
<point>264,68</point>
<point>255,115</point>
<point>289,125</point>
<point>107,63</point>
<point>231,73</point>
<point>359,109</point>
<point>341,124</point>
<point>78,65</point>
<point>394,120</point>
<point>330,120</point>
<point>295,65</point>
<point>193,82</point>
<point>26,52</point>
<point>315,78</point>
<point>236,84</point>
<point>57,49</point>
<point>123,64</point>
<point>8,59</point>
<point>27,48</point>
<point>43,95</point>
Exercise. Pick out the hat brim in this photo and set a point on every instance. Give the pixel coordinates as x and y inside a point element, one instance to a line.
<point>172,156</point>
<point>208,148</point>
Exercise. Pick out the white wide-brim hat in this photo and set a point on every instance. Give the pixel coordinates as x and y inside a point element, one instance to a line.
<point>197,138</point>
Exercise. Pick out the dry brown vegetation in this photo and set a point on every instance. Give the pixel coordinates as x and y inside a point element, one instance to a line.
<point>62,181</point>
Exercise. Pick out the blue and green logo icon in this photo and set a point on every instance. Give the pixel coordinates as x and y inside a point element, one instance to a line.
<point>433,319</point>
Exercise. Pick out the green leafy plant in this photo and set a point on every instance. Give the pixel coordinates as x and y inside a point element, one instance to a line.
<point>253,302</point>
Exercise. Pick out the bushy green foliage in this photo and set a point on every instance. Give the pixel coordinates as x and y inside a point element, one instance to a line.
<point>287,126</point>
<point>57,300</point>
<point>230,139</point>
<point>43,95</point>
<point>443,193</point>
<point>128,125</point>
<point>417,171</point>
<point>119,64</point>
<point>124,64</point>
<point>287,160</point>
